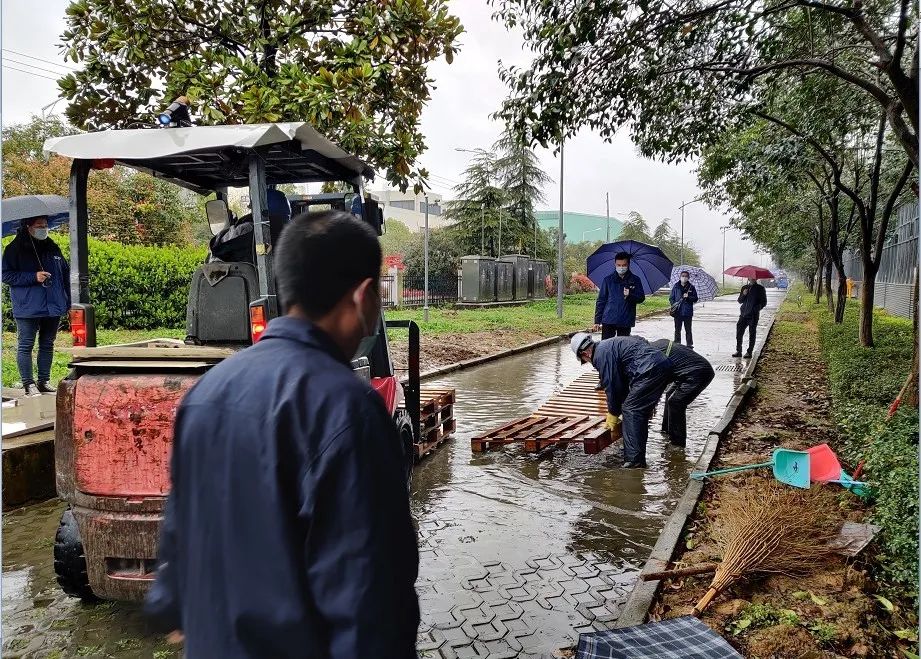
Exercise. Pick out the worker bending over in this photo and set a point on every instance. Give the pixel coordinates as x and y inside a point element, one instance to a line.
<point>634,375</point>
<point>692,374</point>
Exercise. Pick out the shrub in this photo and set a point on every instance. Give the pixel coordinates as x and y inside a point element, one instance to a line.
<point>579,283</point>
<point>133,287</point>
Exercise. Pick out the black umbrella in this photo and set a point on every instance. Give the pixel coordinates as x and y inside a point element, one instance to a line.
<point>16,209</point>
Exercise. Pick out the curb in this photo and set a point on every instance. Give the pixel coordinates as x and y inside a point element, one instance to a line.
<point>476,361</point>
<point>639,601</point>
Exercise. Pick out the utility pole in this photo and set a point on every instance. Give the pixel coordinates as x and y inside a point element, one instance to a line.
<point>559,247</point>
<point>607,215</point>
<point>425,302</point>
<point>499,255</point>
<point>683,204</point>
<point>483,229</point>
<point>724,230</point>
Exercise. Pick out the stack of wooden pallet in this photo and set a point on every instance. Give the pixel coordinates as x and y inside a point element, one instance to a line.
<point>436,418</point>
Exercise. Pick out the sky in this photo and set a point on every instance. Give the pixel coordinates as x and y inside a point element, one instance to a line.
<point>456,117</point>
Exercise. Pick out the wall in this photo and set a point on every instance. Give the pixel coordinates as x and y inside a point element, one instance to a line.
<point>895,280</point>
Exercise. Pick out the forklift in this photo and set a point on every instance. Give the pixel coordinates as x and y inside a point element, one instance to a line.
<point>116,408</point>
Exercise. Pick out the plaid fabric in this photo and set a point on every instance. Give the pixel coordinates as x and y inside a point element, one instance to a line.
<point>677,638</point>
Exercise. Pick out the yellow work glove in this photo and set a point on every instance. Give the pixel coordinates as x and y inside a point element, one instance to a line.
<point>611,422</point>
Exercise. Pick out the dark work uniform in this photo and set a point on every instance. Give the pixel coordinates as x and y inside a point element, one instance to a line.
<point>614,311</point>
<point>634,375</point>
<point>287,531</point>
<point>692,374</point>
<point>753,299</point>
<point>683,310</point>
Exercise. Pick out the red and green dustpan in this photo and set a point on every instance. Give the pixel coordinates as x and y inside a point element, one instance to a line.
<point>798,468</point>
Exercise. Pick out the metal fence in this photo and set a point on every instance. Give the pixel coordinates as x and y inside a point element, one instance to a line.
<point>895,280</point>
<point>409,291</point>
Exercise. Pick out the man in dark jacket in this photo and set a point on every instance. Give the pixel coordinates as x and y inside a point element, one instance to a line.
<point>753,299</point>
<point>683,298</point>
<point>692,374</point>
<point>634,375</point>
<point>287,531</point>
<point>39,279</point>
<point>621,291</point>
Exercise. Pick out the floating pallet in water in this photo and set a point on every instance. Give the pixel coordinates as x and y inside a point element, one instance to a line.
<point>537,432</point>
<point>436,419</point>
<point>574,415</point>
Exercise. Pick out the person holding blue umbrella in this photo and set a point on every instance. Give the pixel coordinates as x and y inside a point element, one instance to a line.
<point>683,298</point>
<point>620,292</point>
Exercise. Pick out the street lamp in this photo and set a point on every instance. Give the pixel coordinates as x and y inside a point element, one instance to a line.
<point>591,231</point>
<point>682,223</point>
<point>560,239</point>
<point>483,153</point>
<point>724,229</point>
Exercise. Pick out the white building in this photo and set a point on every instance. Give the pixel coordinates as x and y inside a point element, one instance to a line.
<point>409,208</point>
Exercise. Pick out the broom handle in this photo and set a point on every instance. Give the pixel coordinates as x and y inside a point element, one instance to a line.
<point>679,572</point>
<point>704,602</point>
<point>730,470</point>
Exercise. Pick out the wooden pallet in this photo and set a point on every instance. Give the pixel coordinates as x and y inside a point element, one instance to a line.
<point>436,419</point>
<point>537,432</point>
<point>575,415</point>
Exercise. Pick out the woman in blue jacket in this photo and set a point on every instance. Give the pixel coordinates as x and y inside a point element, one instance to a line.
<point>39,279</point>
<point>683,298</point>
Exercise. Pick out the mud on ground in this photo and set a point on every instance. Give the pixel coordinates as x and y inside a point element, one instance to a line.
<point>443,349</point>
<point>831,613</point>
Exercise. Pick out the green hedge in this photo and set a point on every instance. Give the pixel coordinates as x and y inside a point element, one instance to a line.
<point>134,287</point>
<point>863,383</point>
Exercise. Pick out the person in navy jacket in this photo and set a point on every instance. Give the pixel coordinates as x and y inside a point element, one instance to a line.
<point>39,279</point>
<point>287,530</point>
<point>683,298</point>
<point>621,291</point>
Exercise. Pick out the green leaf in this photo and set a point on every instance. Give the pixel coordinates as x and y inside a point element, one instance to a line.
<point>907,634</point>
<point>800,595</point>
<point>910,655</point>
<point>887,604</point>
<point>816,599</point>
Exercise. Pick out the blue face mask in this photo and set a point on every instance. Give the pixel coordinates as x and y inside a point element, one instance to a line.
<point>40,233</point>
<point>621,270</point>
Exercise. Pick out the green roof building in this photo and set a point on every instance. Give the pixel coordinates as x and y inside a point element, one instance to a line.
<point>579,227</point>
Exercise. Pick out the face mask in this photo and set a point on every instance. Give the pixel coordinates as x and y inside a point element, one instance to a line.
<point>684,280</point>
<point>752,281</point>
<point>621,270</point>
<point>368,341</point>
<point>40,233</point>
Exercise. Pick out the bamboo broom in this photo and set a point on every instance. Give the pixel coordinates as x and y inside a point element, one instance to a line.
<point>770,529</point>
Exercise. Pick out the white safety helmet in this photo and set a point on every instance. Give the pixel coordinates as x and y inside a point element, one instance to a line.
<point>580,341</point>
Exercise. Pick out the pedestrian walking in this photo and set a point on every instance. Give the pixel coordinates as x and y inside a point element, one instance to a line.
<point>39,279</point>
<point>692,374</point>
<point>683,298</point>
<point>620,292</point>
<point>634,375</point>
<point>287,531</point>
<point>753,299</point>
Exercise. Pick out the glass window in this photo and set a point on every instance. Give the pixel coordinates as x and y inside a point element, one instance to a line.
<point>408,204</point>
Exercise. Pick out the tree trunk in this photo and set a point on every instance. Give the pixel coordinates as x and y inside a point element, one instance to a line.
<point>828,297</point>
<point>842,298</point>
<point>911,396</point>
<point>818,283</point>
<point>867,294</point>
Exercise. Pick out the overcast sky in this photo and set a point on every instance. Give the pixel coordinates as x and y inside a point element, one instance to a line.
<point>457,116</point>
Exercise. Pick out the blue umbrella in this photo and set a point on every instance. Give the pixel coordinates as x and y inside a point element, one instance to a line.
<point>705,284</point>
<point>647,262</point>
<point>16,209</point>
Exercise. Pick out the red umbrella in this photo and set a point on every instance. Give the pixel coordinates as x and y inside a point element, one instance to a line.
<point>749,271</point>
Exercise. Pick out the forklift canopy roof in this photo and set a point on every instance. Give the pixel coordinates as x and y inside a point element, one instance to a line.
<point>205,158</point>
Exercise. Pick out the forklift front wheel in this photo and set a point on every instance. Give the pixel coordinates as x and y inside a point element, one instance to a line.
<point>407,442</point>
<point>69,559</point>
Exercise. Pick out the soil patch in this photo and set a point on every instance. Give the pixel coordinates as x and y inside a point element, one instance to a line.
<point>443,349</point>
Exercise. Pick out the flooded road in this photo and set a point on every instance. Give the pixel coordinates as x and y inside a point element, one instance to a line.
<point>518,553</point>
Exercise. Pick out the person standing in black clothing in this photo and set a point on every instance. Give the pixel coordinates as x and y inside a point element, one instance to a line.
<point>753,299</point>
<point>683,298</point>
<point>692,374</point>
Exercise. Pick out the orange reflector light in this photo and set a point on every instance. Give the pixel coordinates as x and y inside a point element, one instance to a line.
<point>256,322</point>
<point>78,327</point>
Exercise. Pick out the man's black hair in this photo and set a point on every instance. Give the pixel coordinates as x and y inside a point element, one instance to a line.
<point>321,257</point>
<point>622,256</point>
